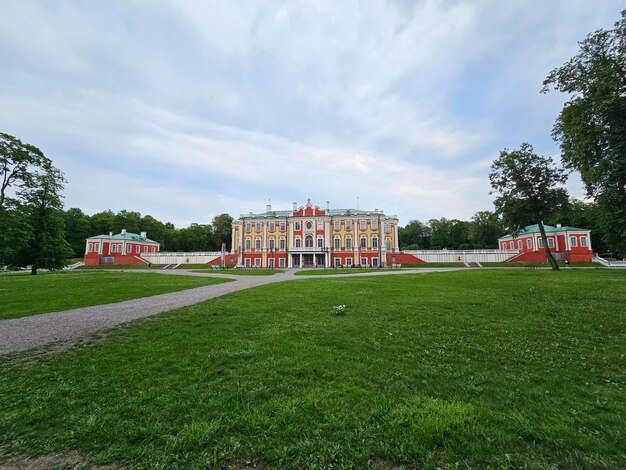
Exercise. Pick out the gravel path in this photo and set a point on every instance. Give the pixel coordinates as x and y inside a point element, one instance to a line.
<point>20,334</point>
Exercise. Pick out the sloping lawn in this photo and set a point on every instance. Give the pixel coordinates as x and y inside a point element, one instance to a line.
<point>22,294</point>
<point>469,369</point>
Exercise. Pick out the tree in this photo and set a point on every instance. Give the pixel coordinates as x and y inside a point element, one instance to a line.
<point>526,188</point>
<point>222,231</point>
<point>77,229</point>
<point>21,165</point>
<point>486,229</point>
<point>46,246</point>
<point>591,128</point>
<point>415,235</point>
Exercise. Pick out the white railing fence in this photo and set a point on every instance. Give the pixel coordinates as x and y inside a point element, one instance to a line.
<point>463,256</point>
<point>612,264</point>
<point>200,257</point>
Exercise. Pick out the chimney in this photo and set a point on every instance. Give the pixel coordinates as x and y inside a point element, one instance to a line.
<point>123,231</point>
<point>558,225</point>
<point>110,234</point>
<point>143,235</point>
<point>268,208</point>
<point>327,205</point>
<point>295,206</point>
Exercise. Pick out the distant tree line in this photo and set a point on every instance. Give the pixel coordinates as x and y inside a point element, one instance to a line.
<point>196,237</point>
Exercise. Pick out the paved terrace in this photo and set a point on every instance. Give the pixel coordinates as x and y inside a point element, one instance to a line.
<point>21,334</point>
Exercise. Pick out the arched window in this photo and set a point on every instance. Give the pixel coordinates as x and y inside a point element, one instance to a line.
<point>308,241</point>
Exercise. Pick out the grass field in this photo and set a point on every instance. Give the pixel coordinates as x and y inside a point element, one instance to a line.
<point>107,267</point>
<point>331,271</point>
<point>22,294</point>
<point>236,272</point>
<point>470,369</point>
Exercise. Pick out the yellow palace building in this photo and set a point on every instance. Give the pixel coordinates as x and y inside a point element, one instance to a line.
<point>308,237</point>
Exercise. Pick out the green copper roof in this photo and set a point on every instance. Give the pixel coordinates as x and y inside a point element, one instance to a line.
<point>129,237</point>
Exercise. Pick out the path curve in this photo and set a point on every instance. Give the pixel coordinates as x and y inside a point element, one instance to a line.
<point>21,334</point>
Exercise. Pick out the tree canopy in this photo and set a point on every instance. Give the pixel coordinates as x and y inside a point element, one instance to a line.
<point>591,128</point>
<point>527,189</point>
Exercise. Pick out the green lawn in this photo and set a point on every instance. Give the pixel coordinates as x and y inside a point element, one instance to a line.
<point>237,272</point>
<point>22,294</point>
<point>469,369</point>
<point>122,266</point>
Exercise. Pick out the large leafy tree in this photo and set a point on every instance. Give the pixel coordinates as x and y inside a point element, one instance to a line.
<point>46,246</point>
<point>32,230</point>
<point>77,229</point>
<point>527,189</point>
<point>486,229</point>
<point>591,128</point>
<point>222,231</point>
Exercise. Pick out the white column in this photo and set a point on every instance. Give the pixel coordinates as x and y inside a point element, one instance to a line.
<point>395,230</point>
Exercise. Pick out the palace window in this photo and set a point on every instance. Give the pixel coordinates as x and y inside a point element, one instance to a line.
<point>511,245</point>
<point>374,224</point>
<point>138,250</point>
<point>298,242</point>
<point>309,225</point>
<point>550,242</point>
<point>308,241</point>
<point>248,227</point>
<point>363,242</point>
<point>257,262</point>
<point>388,244</point>
<point>348,224</point>
<point>387,228</point>
<point>375,242</point>
<point>258,226</point>
<point>272,226</point>
<point>375,262</point>
<point>113,248</point>
<point>337,225</point>
<point>540,242</point>
<point>337,243</point>
<point>583,241</point>
<point>247,262</point>
<point>519,244</point>
<point>363,224</point>
<point>154,249</point>
<point>248,244</point>
<point>349,262</point>
<point>573,241</point>
<point>282,226</point>
<point>320,224</point>
<point>281,243</point>
<point>297,225</point>
<point>348,243</point>
<point>272,243</point>
<point>281,263</point>
<point>257,243</point>
<point>337,262</point>
<point>320,243</point>
<point>529,243</point>
<point>364,262</point>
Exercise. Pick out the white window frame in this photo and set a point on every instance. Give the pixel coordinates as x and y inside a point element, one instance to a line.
<point>298,242</point>
<point>348,243</point>
<point>375,262</point>
<point>573,241</point>
<point>539,242</point>
<point>349,262</point>
<point>282,226</point>
<point>519,244</point>
<point>257,262</point>
<point>272,226</point>
<point>363,224</point>
<point>258,226</point>
<point>113,247</point>
<point>363,261</point>
<point>337,244</point>
<point>281,243</point>
<point>306,242</point>
<point>248,227</point>
<point>320,224</point>
<point>550,242</point>
<point>257,243</point>
<point>348,224</point>
<point>337,262</point>
<point>529,243</point>
<point>320,242</point>
<point>272,243</point>
<point>337,225</point>
<point>309,225</point>
<point>248,244</point>
<point>138,249</point>
<point>387,228</point>
<point>281,263</point>
<point>583,241</point>
<point>374,224</point>
<point>247,262</point>
<point>363,242</point>
<point>388,243</point>
<point>298,226</point>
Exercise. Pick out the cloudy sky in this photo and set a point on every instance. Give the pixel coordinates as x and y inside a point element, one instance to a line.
<point>186,109</point>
